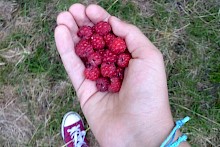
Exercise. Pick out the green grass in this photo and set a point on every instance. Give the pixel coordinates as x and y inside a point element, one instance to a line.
<point>188,36</point>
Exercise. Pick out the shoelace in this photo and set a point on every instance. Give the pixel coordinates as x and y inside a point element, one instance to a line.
<point>77,135</point>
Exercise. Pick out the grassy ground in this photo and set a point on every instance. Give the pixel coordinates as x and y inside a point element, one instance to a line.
<point>35,91</point>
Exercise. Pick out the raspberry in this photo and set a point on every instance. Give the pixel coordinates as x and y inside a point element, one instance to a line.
<point>123,59</point>
<point>92,73</point>
<point>101,52</point>
<point>83,48</point>
<point>85,32</point>
<point>102,84</point>
<point>117,46</point>
<point>108,69</point>
<point>95,59</point>
<point>104,55</point>
<point>102,28</point>
<point>97,41</point>
<point>108,56</point>
<point>115,85</point>
<point>93,29</point>
<point>109,38</point>
<point>120,73</point>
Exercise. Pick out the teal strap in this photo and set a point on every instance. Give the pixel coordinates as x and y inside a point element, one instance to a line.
<point>180,139</point>
<point>169,140</point>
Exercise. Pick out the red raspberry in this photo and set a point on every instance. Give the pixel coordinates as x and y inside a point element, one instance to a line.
<point>120,73</point>
<point>85,32</point>
<point>109,38</point>
<point>97,41</point>
<point>102,28</point>
<point>93,29</point>
<point>123,59</point>
<point>117,46</point>
<point>102,84</point>
<point>92,73</point>
<point>101,52</point>
<point>108,56</point>
<point>108,69</point>
<point>83,48</point>
<point>115,85</point>
<point>95,59</point>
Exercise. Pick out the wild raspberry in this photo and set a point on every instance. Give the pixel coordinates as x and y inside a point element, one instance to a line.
<point>123,59</point>
<point>92,73</point>
<point>108,56</point>
<point>109,38</point>
<point>115,85</point>
<point>120,73</point>
<point>102,84</point>
<point>95,59</point>
<point>117,46</point>
<point>97,41</point>
<point>83,48</point>
<point>85,32</point>
<point>104,54</point>
<point>101,52</point>
<point>102,28</point>
<point>108,69</point>
<point>93,29</point>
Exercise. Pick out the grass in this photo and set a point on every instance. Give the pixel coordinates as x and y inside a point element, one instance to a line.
<point>187,33</point>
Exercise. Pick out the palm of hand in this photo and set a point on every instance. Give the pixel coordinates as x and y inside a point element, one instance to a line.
<point>143,95</point>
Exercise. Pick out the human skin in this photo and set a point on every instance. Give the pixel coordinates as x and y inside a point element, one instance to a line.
<point>139,115</point>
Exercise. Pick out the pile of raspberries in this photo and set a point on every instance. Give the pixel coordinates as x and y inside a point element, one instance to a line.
<point>104,54</point>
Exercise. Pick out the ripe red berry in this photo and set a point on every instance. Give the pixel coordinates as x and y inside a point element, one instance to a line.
<point>120,73</point>
<point>104,54</point>
<point>85,32</point>
<point>123,59</point>
<point>97,41</point>
<point>102,84</point>
<point>101,52</point>
<point>108,69</point>
<point>117,46</point>
<point>95,59</point>
<point>92,73</point>
<point>83,48</point>
<point>102,28</point>
<point>115,85</point>
<point>108,56</point>
<point>109,38</point>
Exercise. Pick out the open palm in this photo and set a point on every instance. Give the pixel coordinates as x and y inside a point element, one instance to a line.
<point>141,107</point>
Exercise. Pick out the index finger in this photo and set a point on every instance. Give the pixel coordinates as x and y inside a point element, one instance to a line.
<point>96,13</point>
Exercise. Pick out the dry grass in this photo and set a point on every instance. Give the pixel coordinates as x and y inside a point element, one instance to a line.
<point>16,128</point>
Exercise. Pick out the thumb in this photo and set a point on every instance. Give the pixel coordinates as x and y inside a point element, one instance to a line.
<point>138,44</point>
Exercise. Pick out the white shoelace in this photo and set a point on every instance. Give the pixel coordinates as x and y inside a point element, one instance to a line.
<point>77,135</point>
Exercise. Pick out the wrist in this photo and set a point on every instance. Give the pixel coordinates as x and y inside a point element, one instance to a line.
<point>155,138</point>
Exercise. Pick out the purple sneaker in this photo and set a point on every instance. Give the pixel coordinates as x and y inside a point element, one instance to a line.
<point>73,131</point>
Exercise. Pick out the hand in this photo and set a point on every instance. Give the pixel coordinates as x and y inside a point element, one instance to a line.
<point>139,115</point>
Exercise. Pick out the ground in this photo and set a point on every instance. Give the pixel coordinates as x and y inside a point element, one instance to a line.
<point>35,91</point>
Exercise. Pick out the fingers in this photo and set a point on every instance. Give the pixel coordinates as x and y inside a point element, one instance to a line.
<point>73,64</point>
<point>71,61</point>
<point>138,44</point>
<point>96,13</point>
<point>65,18</point>
<point>78,12</point>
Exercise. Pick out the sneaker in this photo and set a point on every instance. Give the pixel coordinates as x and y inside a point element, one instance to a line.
<point>73,131</point>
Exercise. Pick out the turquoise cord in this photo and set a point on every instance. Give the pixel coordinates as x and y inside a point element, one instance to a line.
<point>169,140</point>
<point>180,139</point>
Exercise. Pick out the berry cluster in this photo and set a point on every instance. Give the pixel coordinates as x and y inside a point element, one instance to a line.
<point>104,54</point>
